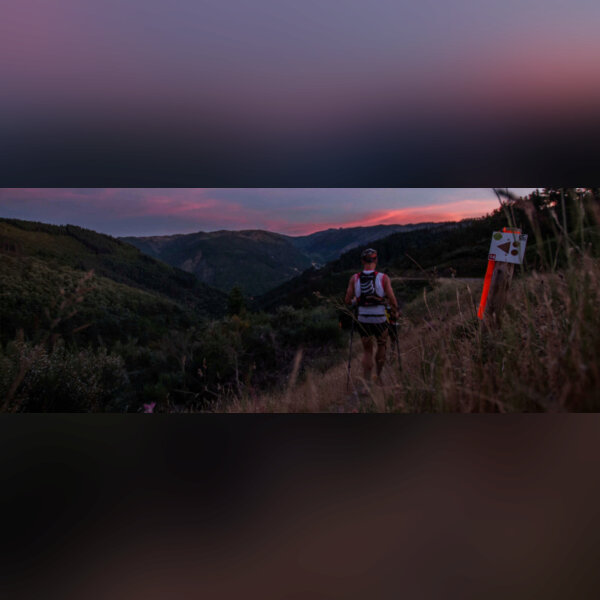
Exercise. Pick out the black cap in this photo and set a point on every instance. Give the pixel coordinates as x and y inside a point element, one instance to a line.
<point>369,253</point>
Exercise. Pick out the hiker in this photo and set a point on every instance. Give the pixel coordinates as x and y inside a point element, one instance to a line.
<point>370,291</point>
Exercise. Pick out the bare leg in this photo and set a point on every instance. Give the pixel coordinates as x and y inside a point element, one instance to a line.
<point>367,361</point>
<point>380,355</point>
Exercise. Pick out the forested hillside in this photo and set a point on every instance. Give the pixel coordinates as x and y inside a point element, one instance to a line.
<point>324,246</point>
<point>84,250</point>
<point>89,323</point>
<point>255,261</point>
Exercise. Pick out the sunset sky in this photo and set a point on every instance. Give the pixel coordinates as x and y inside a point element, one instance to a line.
<point>292,211</point>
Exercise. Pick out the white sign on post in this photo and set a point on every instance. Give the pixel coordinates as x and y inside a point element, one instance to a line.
<point>508,247</point>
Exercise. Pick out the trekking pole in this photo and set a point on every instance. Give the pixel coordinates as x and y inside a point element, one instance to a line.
<point>393,327</point>
<point>398,345</point>
<point>350,354</point>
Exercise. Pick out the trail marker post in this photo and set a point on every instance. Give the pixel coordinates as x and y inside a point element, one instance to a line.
<point>506,250</point>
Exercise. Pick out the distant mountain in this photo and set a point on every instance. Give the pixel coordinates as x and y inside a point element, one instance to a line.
<point>324,246</point>
<point>256,260</point>
<point>132,293</point>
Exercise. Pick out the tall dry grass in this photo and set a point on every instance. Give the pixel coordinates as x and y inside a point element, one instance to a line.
<point>542,357</point>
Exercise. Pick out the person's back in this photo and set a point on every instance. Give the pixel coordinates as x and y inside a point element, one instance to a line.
<point>369,290</point>
<point>370,296</point>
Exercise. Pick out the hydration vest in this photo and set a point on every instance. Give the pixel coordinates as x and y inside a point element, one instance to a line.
<point>370,295</point>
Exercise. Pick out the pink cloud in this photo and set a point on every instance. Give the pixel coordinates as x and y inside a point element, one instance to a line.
<point>451,211</point>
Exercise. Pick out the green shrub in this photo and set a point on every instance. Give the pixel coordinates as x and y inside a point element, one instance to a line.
<point>63,381</point>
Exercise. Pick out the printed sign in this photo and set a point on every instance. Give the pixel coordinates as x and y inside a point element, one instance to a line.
<point>508,247</point>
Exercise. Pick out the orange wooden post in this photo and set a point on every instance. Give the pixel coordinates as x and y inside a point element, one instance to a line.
<point>501,281</point>
<point>497,281</point>
<point>486,288</point>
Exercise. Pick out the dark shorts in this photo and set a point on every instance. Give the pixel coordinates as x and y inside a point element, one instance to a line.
<point>378,330</point>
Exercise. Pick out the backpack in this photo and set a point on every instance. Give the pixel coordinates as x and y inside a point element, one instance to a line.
<point>368,290</point>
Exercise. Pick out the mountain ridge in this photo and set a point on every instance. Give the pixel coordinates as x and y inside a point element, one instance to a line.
<point>257,260</point>
<point>254,260</point>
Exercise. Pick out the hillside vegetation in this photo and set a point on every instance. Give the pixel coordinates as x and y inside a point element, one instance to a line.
<point>35,294</point>
<point>70,299</point>
<point>85,250</point>
<point>88,323</point>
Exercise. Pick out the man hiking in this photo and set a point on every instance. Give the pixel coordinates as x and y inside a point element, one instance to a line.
<point>369,291</point>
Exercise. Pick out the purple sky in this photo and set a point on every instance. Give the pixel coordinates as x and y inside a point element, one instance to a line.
<point>293,211</point>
